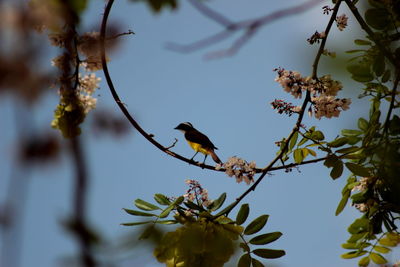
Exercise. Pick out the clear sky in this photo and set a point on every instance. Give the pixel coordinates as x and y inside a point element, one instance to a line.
<point>228,99</point>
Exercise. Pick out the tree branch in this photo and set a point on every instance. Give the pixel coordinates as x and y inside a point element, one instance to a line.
<point>249,26</point>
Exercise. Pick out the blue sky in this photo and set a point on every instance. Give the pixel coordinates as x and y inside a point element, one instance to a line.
<point>228,99</point>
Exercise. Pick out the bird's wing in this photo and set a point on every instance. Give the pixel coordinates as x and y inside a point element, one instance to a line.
<point>199,138</point>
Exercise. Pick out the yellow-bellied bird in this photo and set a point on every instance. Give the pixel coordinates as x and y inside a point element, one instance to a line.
<point>198,141</point>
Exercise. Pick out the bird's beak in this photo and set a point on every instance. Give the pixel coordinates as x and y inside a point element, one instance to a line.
<point>176,128</point>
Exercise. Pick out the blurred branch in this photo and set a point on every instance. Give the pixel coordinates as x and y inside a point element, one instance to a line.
<point>249,28</point>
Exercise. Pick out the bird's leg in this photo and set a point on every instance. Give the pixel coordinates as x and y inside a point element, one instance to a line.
<point>205,157</point>
<point>194,156</point>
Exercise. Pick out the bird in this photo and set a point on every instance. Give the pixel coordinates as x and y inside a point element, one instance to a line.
<point>198,141</point>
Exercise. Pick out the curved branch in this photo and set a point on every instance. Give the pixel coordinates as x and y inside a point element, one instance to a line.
<point>121,104</point>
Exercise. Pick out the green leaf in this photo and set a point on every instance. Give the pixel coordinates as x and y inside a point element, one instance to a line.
<point>348,150</point>
<point>343,202</point>
<point>318,136</point>
<point>379,65</point>
<point>265,238</point>
<point>143,205</point>
<point>377,258</point>
<point>147,232</point>
<point>225,210</point>
<point>357,169</point>
<point>256,263</point>
<point>355,51</point>
<point>216,204</point>
<point>244,246</point>
<point>139,213</point>
<point>293,140</point>
<point>337,170</point>
<point>355,245</point>
<point>362,42</point>
<point>298,155</point>
<point>243,213</point>
<point>244,261</point>
<point>166,222</point>
<point>302,141</point>
<point>359,226</point>
<point>193,206</point>
<point>386,76</point>
<point>166,212</point>
<point>377,18</point>
<point>312,152</point>
<point>349,132</point>
<point>338,142</point>
<point>361,72</point>
<point>269,253</point>
<point>135,223</point>
<point>364,261</point>
<point>256,225</point>
<point>331,161</point>
<point>382,249</point>
<point>162,200</point>
<point>353,254</point>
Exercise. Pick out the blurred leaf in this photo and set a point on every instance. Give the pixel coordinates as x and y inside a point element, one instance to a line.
<point>147,232</point>
<point>312,152</point>
<point>244,261</point>
<point>379,65</point>
<point>298,155</point>
<point>225,210</point>
<point>243,213</point>
<point>139,213</point>
<point>135,223</point>
<point>166,212</point>
<point>193,206</point>
<point>331,160</point>
<point>269,253</point>
<point>353,254</point>
<point>358,169</point>
<point>343,202</point>
<point>386,76</point>
<point>167,222</point>
<point>318,136</point>
<point>364,261</point>
<point>360,72</point>
<point>265,238</point>
<point>360,225</point>
<point>338,142</point>
<point>337,169</point>
<point>293,140</point>
<point>216,204</point>
<point>377,18</point>
<point>348,150</point>
<point>377,258</point>
<point>256,225</point>
<point>158,5</point>
<point>161,199</point>
<point>362,42</point>
<point>382,249</point>
<point>348,132</point>
<point>244,246</point>
<point>256,263</point>
<point>302,141</point>
<point>143,205</point>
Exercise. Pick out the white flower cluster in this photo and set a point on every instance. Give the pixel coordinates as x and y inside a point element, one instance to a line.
<point>196,193</point>
<point>323,91</point>
<point>341,22</point>
<point>329,106</point>
<point>241,169</point>
<point>87,86</point>
<point>362,186</point>
<point>291,82</point>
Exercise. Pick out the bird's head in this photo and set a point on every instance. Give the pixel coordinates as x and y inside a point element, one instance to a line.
<point>185,126</point>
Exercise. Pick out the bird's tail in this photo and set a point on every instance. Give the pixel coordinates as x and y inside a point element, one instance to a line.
<point>214,156</point>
